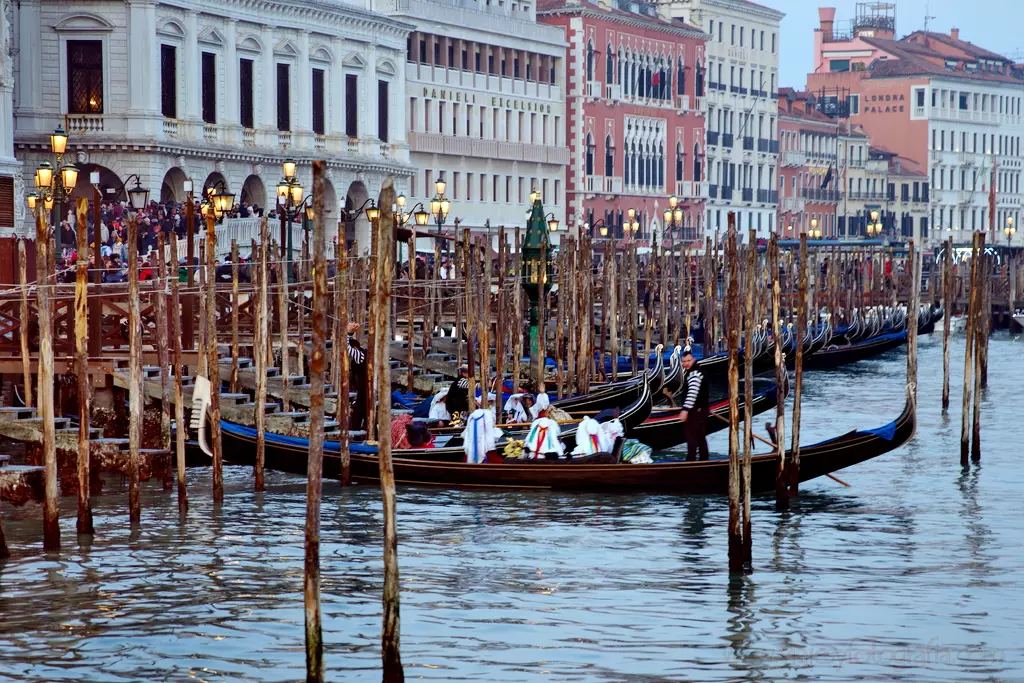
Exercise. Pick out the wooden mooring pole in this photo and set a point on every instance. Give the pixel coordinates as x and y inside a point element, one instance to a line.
<point>965,436</point>
<point>179,408</point>
<point>948,302</point>
<point>213,362</point>
<point>259,351</point>
<point>23,329</point>
<point>749,322</point>
<point>781,487</point>
<point>801,326</point>
<point>732,312</point>
<point>344,277</point>
<point>84,524</point>
<point>162,346</point>
<point>982,316</point>
<point>233,384</point>
<point>134,373</point>
<point>390,652</point>
<point>314,471</point>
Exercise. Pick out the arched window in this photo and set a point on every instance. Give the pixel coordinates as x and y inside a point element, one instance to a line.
<point>633,77</point>
<point>590,61</point>
<point>680,78</point>
<point>609,66</point>
<point>661,165</point>
<point>699,82</point>
<point>619,80</point>
<point>641,90</point>
<point>590,155</point>
<point>679,161</point>
<point>609,157</point>
<point>697,170</point>
<point>633,164</point>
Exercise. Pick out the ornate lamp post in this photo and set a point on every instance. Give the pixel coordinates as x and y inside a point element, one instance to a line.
<point>54,183</point>
<point>673,216</point>
<point>536,274</point>
<point>291,203</point>
<point>1009,230</point>
<point>815,232</point>
<point>874,228</point>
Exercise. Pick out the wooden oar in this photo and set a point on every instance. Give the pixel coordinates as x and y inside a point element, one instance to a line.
<point>761,438</point>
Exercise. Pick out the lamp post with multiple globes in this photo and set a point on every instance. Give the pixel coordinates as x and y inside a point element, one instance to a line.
<point>815,232</point>
<point>874,228</point>
<point>1009,230</point>
<point>54,183</point>
<point>673,216</point>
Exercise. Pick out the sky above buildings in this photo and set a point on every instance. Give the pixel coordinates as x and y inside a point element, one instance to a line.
<point>992,24</point>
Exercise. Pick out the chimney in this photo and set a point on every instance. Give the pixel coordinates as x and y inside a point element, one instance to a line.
<point>954,34</point>
<point>827,18</point>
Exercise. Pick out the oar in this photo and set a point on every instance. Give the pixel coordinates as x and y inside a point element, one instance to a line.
<point>761,438</point>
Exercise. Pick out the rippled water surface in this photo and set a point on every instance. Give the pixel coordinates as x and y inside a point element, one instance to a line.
<point>915,571</point>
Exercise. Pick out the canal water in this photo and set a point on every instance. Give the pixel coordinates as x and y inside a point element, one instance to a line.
<point>913,572</point>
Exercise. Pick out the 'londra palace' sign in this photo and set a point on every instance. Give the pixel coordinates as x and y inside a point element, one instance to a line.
<point>884,104</point>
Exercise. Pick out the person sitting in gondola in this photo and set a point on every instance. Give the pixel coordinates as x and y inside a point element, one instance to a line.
<point>695,409</point>
<point>439,406</point>
<point>542,441</point>
<point>458,394</point>
<point>480,437</point>
<point>517,407</point>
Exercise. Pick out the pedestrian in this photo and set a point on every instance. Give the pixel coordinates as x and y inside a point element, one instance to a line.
<point>695,409</point>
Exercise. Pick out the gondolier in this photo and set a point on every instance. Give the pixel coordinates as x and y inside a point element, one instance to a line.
<point>357,378</point>
<point>695,409</point>
<point>458,394</point>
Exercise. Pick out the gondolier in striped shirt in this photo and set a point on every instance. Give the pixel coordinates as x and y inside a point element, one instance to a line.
<point>695,409</point>
<point>357,379</point>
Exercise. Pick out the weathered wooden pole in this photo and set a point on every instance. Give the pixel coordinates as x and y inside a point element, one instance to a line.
<point>632,282</point>
<point>517,316</point>
<point>983,313</point>
<point>163,353</point>
<point>612,315</point>
<point>560,316</point>
<point>179,408</point>
<point>23,326</point>
<point>233,384</point>
<point>749,322</point>
<point>343,406</point>
<point>540,362</point>
<point>471,329</point>
<point>282,313</point>
<point>84,524</point>
<point>314,463</point>
<point>781,483</point>
<point>390,652</point>
<point>965,436</point>
<point>483,323</point>
<point>411,309</point>
<point>44,375</point>
<point>709,301</point>
<point>261,331</point>
<point>501,321</point>
<point>212,361</point>
<point>985,320</point>
<point>798,385</point>
<point>300,271</point>
<point>135,399</point>
<point>914,259</point>
<point>732,311</point>
<point>948,302</point>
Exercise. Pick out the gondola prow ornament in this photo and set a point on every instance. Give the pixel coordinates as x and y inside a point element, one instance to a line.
<point>200,404</point>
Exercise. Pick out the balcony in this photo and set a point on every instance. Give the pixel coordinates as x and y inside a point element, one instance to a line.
<point>713,191</point>
<point>613,92</point>
<point>594,89</point>
<point>742,90</point>
<point>210,133</point>
<point>284,138</point>
<point>713,137</point>
<point>793,158</point>
<point>249,137</point>
<point>773,148</point>
<point>593,184</point>
<point>734,89</point>
<point>172,129</point>
<point>748,144</point>
<point>613,184</point>
<point>815,194</point>
<point>763,145</point>
<point>684,189</point>
<point>762,197</point>
<point>726,192</point>
<point>699,106</point>
<point>773,196</point>
<point>83,124</point>
<point>320,142</point>
<point>747,194</point>
<point>727,140</point>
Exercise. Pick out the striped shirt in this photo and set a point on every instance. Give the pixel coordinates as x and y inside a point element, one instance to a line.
<point>694,381</point>
<point>355,354</point>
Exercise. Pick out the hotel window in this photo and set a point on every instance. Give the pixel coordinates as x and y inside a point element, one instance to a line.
<point>351,105</point>
<point>741,36</point>
<point>85,77</point>
<point>423,51</point>
<point>490,64</point>
<point>508,189</point>
<point>773,43</point>
<point>451,56</point>
<point>428,183</point>
<point>284,116</point>
<point>476,61</point>
<point>245,107</point>
<point>169,81</point>
<point>382,111</point>
<point>556,199</point>
<point>437,53</point>
<point>515,67</point>
<point>494,188</point>
<point>762,40</point>
<point>732,34</point>
<point>465,59</point>
<point>544,192</point>
<point>483,186</point>
<point>318,101</point>
<point>456,177</point>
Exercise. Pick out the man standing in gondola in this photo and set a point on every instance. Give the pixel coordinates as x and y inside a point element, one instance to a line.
<point>695,409</point>
<point>357,378</point>
<point>458,395</point>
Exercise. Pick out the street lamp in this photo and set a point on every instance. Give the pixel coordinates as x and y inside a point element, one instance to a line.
<point>292,204</point>
<point>874,228</point>
<point>673,215</point>
<point>552,222</point>
<point>815,232</point>
<point>1009,230</point>
<point>54,182</point>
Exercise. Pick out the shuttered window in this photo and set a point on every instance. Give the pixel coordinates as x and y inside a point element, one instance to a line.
<point>284,114</point>
<point>318,101</point>
<point>245,93</point>
<point>209,76</point>
<point>169,81</point>
<point>351,105</point>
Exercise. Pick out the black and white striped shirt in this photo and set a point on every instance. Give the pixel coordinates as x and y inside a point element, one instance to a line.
<point>694,382</point>
<point>355,354</point>
<point>463,383</point>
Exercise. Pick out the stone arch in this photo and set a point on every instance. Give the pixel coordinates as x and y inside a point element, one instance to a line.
<point>357,229</point>
<point>330,210</point>
<point>254,192</point>
<point>111,187</point>
<point>215,179</point>
<point>173,187</point>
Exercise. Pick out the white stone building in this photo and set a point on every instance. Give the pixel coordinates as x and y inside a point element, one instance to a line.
<point>12,208</point>
<point>742,105</point>
<point>221,90</point>
<point>486,108</point>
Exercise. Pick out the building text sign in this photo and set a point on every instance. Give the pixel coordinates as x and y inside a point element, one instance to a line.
<point>496,101</point>
<point>884,104</point>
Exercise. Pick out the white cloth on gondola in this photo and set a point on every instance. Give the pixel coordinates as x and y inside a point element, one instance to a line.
<point>542,403</point>
<point>612,429</point>
<point>543,438</point>
<point>480,435</point>
<point>438,409</point>
<point>591,438</point>
<point>514,405</point>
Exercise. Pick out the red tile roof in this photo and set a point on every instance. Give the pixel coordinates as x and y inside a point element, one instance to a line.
<point>910,58</point>
<point>544,6</point>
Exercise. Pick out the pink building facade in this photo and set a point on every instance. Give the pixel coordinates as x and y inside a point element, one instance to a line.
<point>635,120</point>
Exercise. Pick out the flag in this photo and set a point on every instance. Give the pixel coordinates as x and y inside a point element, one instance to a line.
<point>828,178</point>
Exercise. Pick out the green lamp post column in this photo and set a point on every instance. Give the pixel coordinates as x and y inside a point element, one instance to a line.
<point>536,278</point>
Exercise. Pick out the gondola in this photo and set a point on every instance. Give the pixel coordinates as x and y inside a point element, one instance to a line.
<point>664,428</point>
<point>835,356</point>
<point>676,476</point>
<point>288,453</point>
